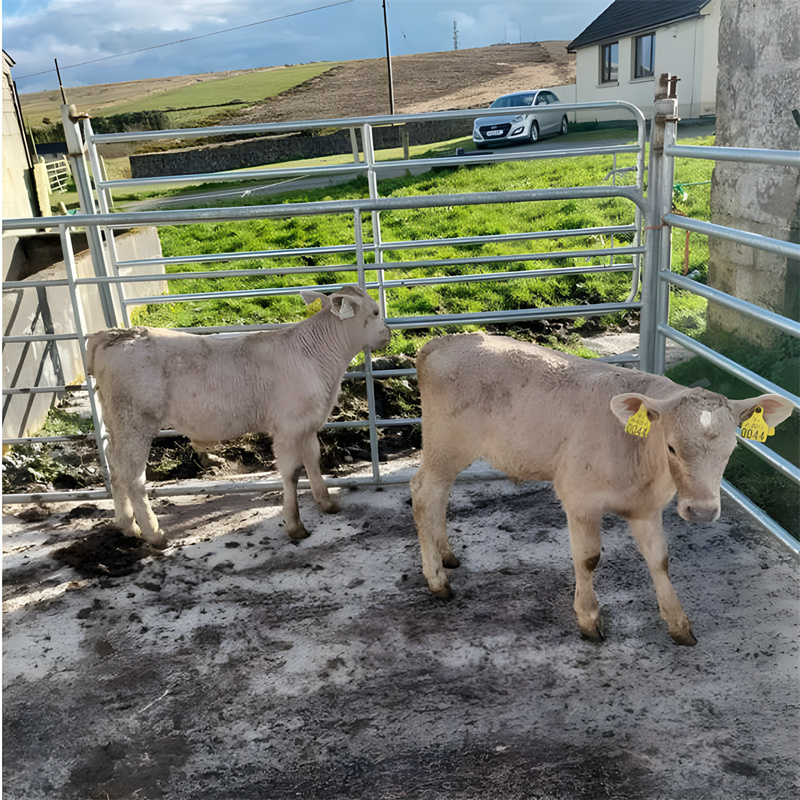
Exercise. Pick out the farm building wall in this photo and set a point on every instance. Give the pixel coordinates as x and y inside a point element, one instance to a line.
<point>49,310</point>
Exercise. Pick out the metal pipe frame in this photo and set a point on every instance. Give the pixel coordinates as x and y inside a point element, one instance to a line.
<point>656,287</point>
<point>132,219</point>
<point>777,246</point>
<point>109,222</point>
<point>760,516</point>
<point>346,122</point>
<point>778,158</point>
<point>104,224</point>
<point>726,364</point>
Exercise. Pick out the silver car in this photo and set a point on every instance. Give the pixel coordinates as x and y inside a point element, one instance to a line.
<point>521,124</point>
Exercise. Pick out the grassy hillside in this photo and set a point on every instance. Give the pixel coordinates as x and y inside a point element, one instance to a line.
<point>193,105</point>
<point>211,91</point>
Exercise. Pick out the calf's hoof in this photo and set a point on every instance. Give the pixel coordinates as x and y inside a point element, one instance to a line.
<point>685,637</point>
<point>441,588</point>
<point>593,631</point>
<point>158,541</point>
<point>330,507</point>
<point>450,561</point>
<point>297,532</point>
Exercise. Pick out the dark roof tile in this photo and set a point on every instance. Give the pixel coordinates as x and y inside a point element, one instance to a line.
<point>624,17</point>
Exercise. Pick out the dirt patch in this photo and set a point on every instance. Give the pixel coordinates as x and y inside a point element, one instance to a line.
<point>453,79</point>
<point>103,552</point>
<point>240,664</point>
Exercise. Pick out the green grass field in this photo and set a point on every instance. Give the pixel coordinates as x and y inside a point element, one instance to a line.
<point>435,224</point>
<point>208,99</point>
<point>203,102</point>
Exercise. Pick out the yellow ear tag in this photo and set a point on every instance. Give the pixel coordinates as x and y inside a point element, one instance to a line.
<point>755,427</point>
<point>638,424</point>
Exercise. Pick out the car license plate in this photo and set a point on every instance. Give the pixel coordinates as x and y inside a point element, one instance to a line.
<point>494,133</point>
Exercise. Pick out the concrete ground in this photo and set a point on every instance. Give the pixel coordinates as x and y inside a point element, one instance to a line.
<point>238,665</point>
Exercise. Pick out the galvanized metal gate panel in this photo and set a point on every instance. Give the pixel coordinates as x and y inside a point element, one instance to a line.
<point>118,291</point>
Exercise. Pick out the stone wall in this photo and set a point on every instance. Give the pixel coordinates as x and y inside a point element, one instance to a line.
<point>275,149</point>
<point>759,74</point>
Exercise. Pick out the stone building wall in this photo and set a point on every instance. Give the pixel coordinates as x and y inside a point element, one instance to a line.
<point>757,91</point>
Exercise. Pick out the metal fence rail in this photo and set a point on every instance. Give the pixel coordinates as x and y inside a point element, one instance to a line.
<point>365,257</point>
<point>664,150</point>
<point>58,174</point>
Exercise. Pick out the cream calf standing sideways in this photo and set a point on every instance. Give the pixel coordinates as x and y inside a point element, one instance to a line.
<point>536,414</point>
<point>213,388</point>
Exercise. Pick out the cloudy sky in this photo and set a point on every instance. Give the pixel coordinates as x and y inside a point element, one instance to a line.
<point>135,39</point>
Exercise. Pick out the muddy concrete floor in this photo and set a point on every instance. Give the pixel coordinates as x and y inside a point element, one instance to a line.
<point>238,665</point>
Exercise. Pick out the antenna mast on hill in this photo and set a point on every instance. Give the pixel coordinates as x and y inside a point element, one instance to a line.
<point>455,36</point>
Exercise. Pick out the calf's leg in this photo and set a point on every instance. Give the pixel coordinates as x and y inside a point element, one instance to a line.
<point>584,539</point>
<point>132,511</point>
<point>430,490</point>
<point>318,488</point>
<point>288,458</point>
<point>649,536</point>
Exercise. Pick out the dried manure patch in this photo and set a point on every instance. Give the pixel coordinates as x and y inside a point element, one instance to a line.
<point>104,551</point>
<point>239,664</point>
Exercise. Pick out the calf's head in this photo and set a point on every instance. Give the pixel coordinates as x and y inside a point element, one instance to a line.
<point>695,431</point>
<point>359,313</point>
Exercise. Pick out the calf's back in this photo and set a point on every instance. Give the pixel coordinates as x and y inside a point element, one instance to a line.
<point>533,413</point>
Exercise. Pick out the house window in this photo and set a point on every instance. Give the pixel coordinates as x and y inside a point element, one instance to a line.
<point>609,67</point>
<point>644,54</point>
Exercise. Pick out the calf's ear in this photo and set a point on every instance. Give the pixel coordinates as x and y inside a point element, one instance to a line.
<point>624,406</point>
<point>776,408</point>
<point>310,297</point>
<point>344,306</point>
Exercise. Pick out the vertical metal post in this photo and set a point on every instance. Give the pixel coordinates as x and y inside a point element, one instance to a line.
<point>372,183</point>
<point>658,241</point>
<point>103,198</point>
<point>100,432</point>
<point>77,158</point>
<point>665,252</point>
<point>369,380</point>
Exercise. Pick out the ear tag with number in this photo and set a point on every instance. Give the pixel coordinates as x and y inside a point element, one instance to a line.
<point>755,427</point>
<point>638,424</point>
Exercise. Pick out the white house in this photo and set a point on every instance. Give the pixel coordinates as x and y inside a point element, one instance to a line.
<point>621,55</point>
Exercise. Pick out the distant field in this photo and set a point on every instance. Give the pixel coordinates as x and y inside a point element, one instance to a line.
<point>202,100</point>
<point>211,91</point>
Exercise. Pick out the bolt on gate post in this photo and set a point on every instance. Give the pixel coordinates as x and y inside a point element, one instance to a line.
<point>655,293</point>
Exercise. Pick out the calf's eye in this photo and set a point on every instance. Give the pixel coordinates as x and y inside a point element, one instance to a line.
<point>671,449</point>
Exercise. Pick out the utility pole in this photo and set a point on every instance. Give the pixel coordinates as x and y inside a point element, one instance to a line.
<point>388,61</point>
<point>61,85</point>
<point>455,36</point>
